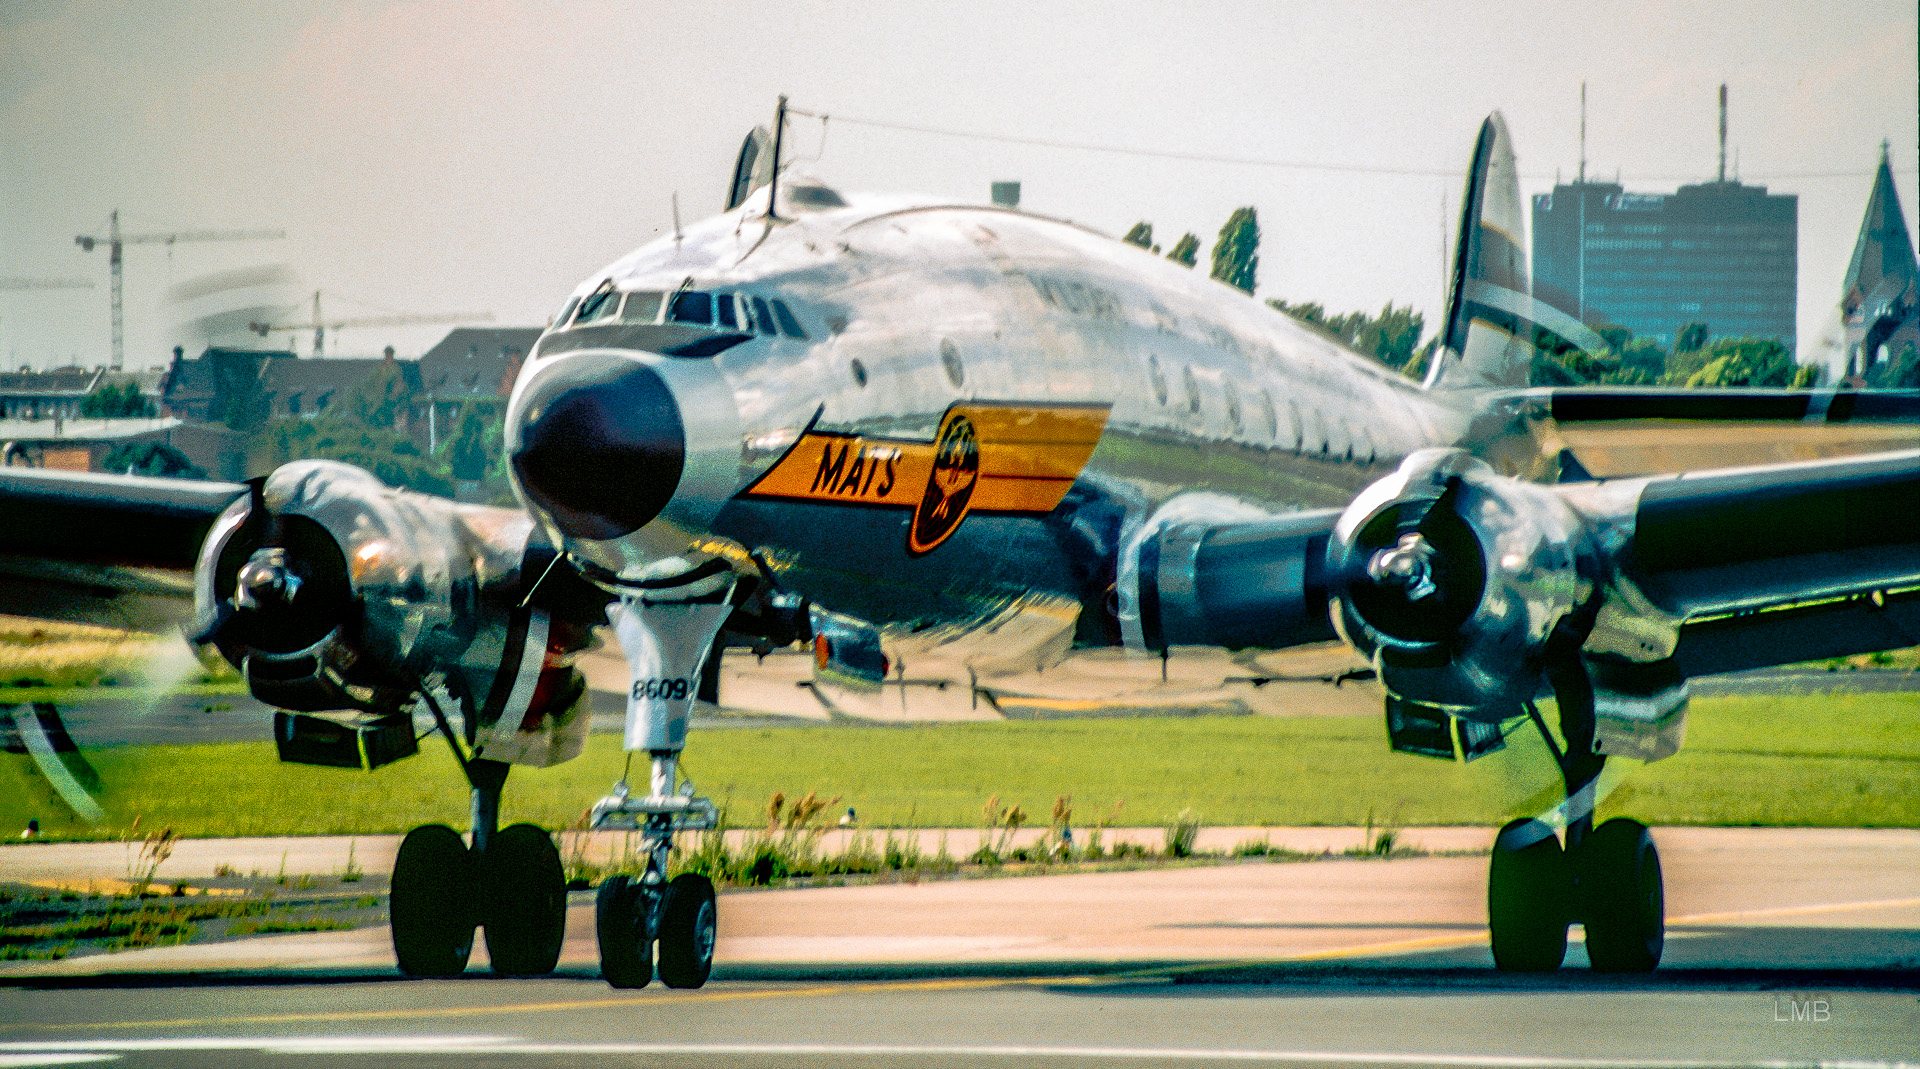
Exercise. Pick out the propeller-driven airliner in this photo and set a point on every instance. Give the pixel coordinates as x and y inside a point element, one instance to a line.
<point>822,417</point>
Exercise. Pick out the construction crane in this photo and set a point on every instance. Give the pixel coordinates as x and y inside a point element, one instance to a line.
<point>320,324</point>
<point>115,242</point>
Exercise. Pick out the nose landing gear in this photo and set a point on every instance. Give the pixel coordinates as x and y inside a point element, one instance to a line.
<point>639,917</point>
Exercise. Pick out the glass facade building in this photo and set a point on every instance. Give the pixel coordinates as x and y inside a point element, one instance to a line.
<point>1720,253</point>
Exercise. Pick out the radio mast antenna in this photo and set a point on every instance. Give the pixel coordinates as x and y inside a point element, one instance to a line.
<point>779,131</point>
<point>1583,134</point>
<point>1723,132</point>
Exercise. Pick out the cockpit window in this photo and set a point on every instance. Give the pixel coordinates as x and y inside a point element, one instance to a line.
<point>692,306</point>
<point>723,311</point>
<point>642,307</point>
<point>788,325</point>
<point>762,318</point>
<point>566,313</point>
<point>600,303</point>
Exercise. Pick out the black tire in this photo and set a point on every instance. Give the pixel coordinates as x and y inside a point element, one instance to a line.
<point>687,928</point>
<point>524,888</point>
<point>1623,897</point>
<point>1529,889</point>
<point>620,922</point>
<point>431,903</point>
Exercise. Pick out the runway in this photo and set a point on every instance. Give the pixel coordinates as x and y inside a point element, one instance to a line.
<point>1785,947</point>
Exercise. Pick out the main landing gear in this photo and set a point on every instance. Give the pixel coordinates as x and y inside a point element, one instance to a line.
<point>509,883</point>
<point>639,918</point>
<point>1605,878</point>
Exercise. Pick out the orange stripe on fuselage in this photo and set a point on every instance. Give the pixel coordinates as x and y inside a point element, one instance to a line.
<point>1029,458</point>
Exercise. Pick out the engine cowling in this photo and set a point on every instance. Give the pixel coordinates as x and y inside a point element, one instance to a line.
<point>1453,579</point>
<point>332,591</point>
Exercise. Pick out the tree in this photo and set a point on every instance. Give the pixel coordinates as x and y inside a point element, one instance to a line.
<point>1186,251</point>
<point>1626,361</point>
<point>1393,336</point>
<point>1142,235</point>
<point>474,453</point>
<point>151,458</point>
<point>1899,372</point>
<point>1236,254</point>
<point>392,459</point>
<point>364,427</point>
<point>1690,338</point>
<point>1746,362</point>
<point>111,402</point>
<point>379,400</point>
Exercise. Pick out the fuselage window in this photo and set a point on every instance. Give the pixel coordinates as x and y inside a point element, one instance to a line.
<point>1159,380</point>
<point>691,306</point>
<point>788,325</point>
<point>1233,405</point>
<point>1193,390</point>
<point>723,312</point>
<point>762,318</point>
<point>600,302</point>
<point>642,307</point>
<point>950,361</point>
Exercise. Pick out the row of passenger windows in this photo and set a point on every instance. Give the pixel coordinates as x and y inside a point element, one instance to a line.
<point>1302,433</point>
<point>727,311</point>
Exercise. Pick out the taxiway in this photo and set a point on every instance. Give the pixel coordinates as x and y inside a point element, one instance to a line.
<point>1786,946</point>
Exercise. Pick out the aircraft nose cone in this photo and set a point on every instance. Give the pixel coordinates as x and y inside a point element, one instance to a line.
<point>601,446</point>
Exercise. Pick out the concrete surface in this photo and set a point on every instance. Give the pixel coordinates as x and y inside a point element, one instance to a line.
<point>1785,947</point>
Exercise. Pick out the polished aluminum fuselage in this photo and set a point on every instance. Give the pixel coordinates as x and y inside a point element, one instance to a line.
<point>1217,405</point>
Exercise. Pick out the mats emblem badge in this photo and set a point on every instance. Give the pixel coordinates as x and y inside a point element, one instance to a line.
<point>956,468</point>
<point>1005,459</point>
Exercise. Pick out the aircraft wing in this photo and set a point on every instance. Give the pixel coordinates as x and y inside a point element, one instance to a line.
<point>1473,593</point>
<point>1615,432</point>
<point>96,548</point>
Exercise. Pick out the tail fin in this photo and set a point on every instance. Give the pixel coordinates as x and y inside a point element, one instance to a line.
<point>1492,315</point>
<point>1488,333</point>
<point>754,167</point>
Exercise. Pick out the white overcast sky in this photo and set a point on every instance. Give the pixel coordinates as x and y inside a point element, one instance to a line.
<point>453,155</point>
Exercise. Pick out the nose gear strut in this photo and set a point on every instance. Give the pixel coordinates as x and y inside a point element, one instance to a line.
<point>668,636</point>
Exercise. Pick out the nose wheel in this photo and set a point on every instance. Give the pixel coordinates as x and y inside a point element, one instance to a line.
<point>648,924</point>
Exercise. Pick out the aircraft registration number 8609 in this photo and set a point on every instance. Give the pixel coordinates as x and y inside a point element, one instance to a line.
<point>662,689</point>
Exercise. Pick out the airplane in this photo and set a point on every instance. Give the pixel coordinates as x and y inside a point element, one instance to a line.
<point>821,418</point>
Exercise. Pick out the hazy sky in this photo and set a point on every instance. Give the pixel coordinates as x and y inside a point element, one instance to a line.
<point>454,155</point>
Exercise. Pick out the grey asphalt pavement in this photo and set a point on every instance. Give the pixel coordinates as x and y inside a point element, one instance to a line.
<point>1786,946</point>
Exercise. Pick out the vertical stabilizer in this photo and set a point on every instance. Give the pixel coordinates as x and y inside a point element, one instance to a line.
<point>1487,339</point>
<point>753,169</point>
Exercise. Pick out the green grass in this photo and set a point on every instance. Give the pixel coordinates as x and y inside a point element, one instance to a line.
<point>1841,760</point>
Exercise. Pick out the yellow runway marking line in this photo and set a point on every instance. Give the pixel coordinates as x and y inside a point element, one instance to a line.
<point>1793,911</point>
<point>544,1007</point>
<point>108,886</point>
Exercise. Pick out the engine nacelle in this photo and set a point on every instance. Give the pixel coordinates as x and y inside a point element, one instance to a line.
<point>331,591</point>
<point>1453,579</point>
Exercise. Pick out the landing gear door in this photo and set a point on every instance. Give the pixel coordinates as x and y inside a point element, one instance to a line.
<point>666,644</point>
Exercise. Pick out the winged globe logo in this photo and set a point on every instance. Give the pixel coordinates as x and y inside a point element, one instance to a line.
<point>956,469</point>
